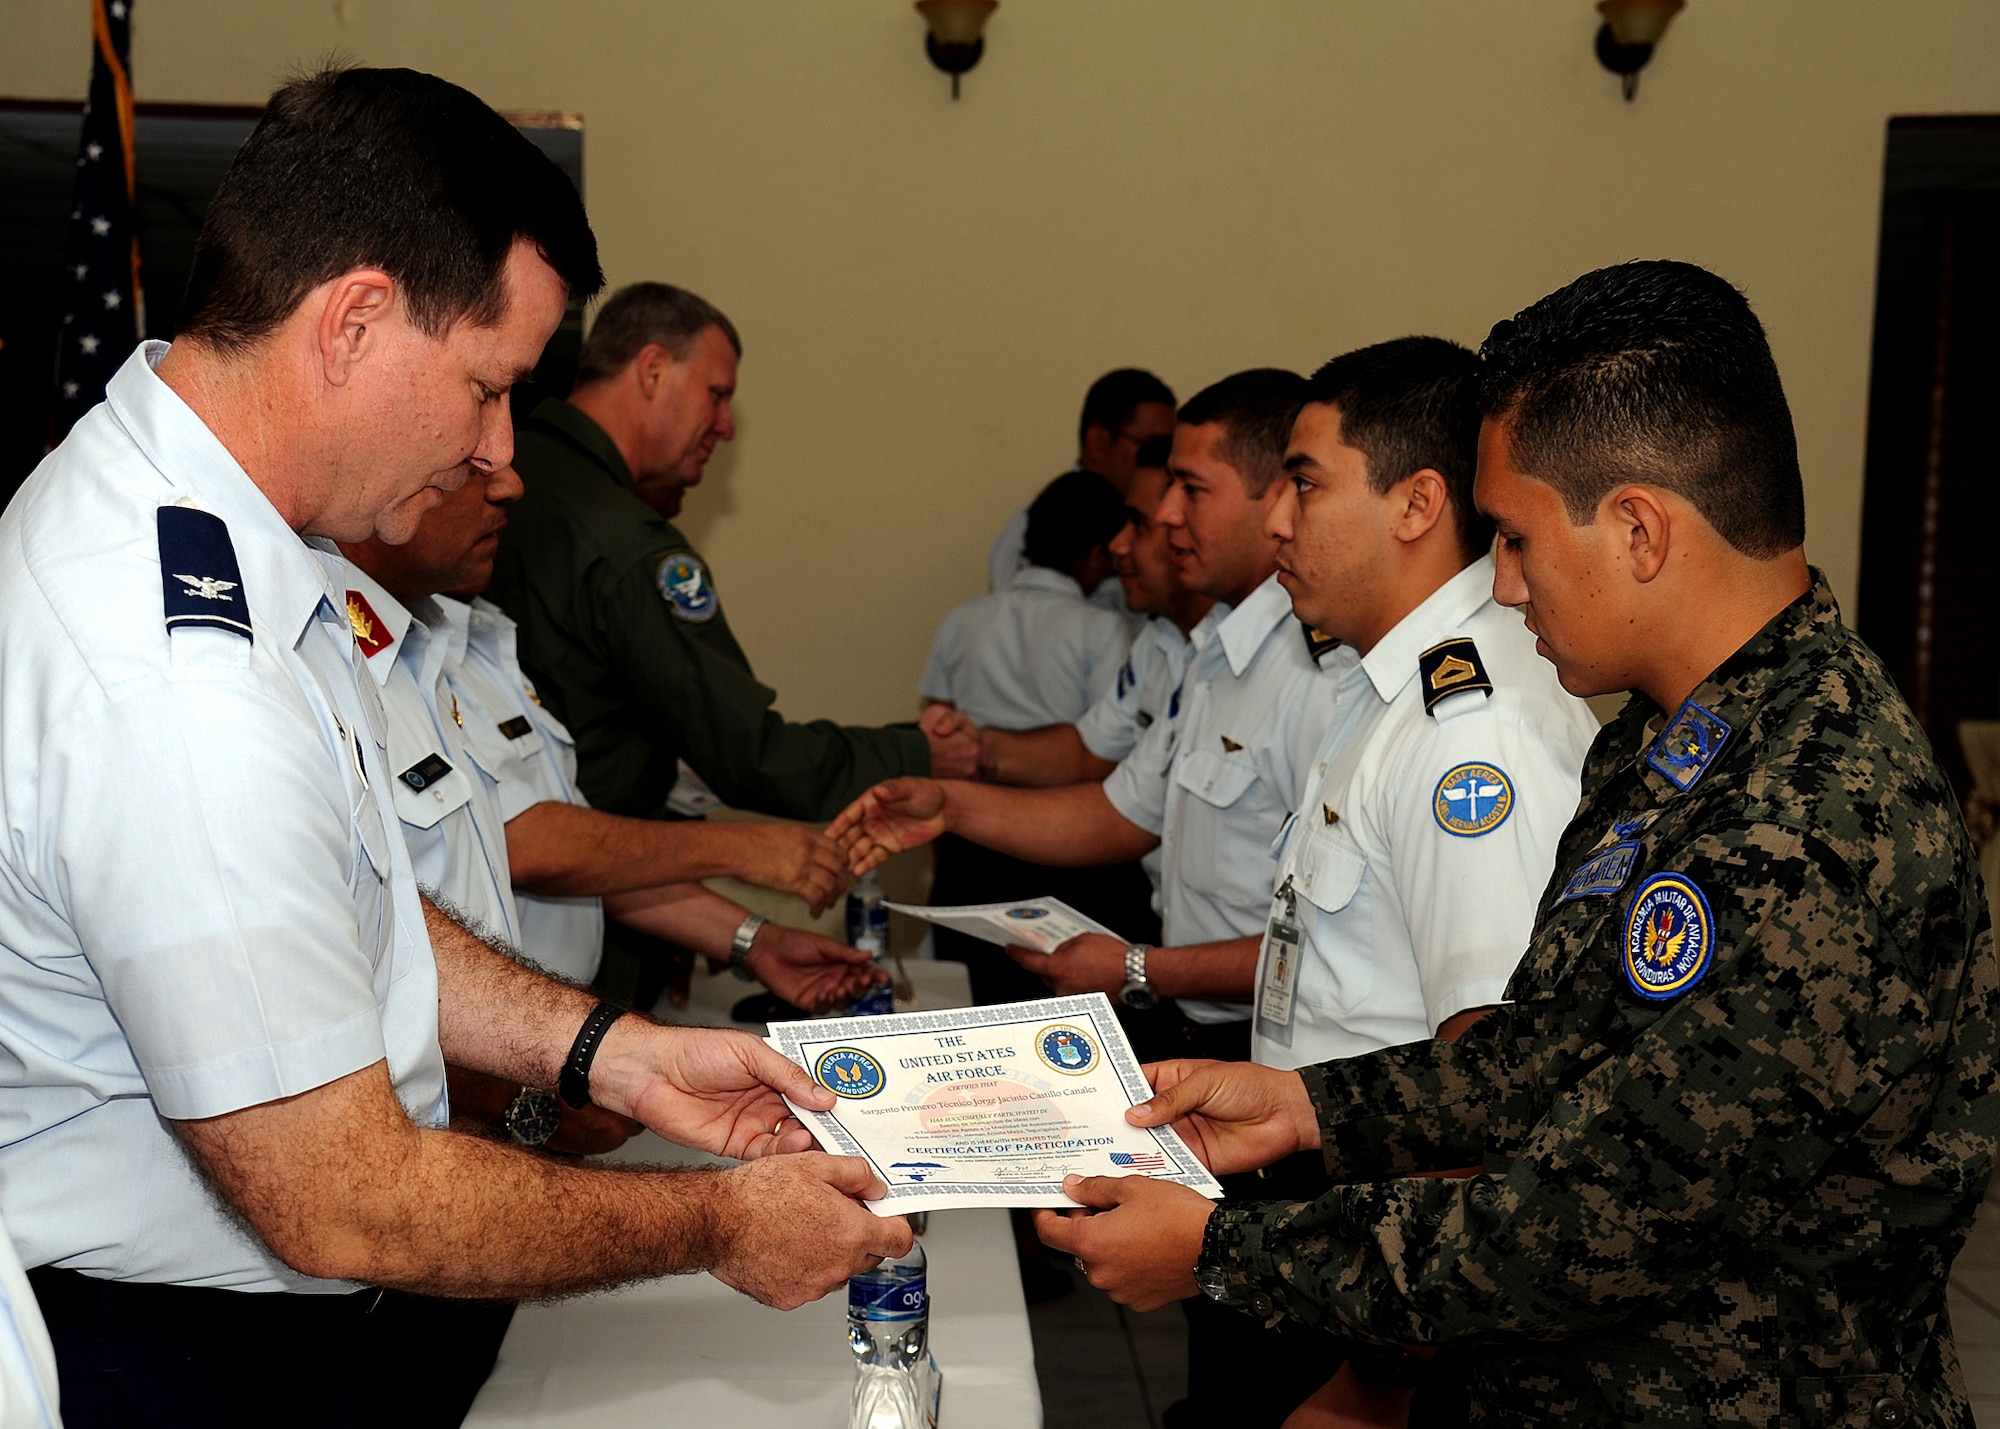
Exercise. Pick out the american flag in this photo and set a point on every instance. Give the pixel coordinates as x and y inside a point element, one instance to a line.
<point>105,316</point>
<point>1140,1160</point>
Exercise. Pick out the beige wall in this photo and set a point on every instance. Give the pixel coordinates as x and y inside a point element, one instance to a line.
<point>1191,185</point>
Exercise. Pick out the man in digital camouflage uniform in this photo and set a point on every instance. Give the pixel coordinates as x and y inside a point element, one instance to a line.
<point>1716,1153</point>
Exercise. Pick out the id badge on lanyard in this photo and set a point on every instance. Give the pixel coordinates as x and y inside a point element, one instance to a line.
<point>1281,971</point>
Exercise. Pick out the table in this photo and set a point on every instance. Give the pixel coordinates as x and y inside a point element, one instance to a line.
<point>689,1350</point>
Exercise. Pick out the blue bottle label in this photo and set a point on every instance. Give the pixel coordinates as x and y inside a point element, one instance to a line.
<point>887,1299</point>
<point>878,1000</point>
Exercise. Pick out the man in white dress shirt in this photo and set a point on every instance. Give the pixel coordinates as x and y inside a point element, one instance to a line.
<point>1091,747</point>
<point>1031,656</point>
<point>224,1008</point>
<point>1123,410</point>
<point>1406,882</point>
<point>472,701</point>
<point>1210,785</point>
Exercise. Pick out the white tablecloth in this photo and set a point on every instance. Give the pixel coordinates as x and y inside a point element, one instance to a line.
<point>691,1351</point>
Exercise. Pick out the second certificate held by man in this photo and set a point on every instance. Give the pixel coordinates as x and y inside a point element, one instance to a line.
<point>985,1106</point>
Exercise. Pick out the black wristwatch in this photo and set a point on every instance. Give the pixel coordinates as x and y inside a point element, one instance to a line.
<point>574,1083</point>
<point>1138,994</point>
<point>532,1117</point>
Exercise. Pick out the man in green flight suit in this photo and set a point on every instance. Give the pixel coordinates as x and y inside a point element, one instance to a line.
<point>621,626</point>
<point>1712,1159</point>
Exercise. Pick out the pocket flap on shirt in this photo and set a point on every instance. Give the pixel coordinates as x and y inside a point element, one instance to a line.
<point>1329,871</point>
<point>1215,778</point>
<point>421,806</point>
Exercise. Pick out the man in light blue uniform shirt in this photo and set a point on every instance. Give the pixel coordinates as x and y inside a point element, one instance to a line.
<point>1035,655</point>
<point>1211,785</point>
<point>1123,410</point>
<point>1407,881</point>
<point>517,758</point>
<point>1038,652</point>
<point>444,801</point>
<point>1092,746</point>
<point>224,1008</point>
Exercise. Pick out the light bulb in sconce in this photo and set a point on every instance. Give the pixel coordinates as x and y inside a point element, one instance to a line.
<point>954,42</point>
<point>1629,34</point>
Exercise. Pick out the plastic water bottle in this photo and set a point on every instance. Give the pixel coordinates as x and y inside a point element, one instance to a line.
<point>888,1328</point>
<point>868,930</point>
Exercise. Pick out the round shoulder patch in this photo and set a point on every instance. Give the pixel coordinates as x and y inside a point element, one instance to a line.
<point>1473,799</point>
<point>1067,1049</point>
<point>684,582</point>
<point>848,1072</point>
<point>1669,937</point>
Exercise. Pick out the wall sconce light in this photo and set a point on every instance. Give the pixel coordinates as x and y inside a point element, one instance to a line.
<point>954,43</point>
<point>1626,39</point>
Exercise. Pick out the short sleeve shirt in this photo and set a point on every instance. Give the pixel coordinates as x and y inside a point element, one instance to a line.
<point>528,754</point>
<point>1008,557</point>
<point>204,904</point>
<point>1033,655</point>
<point>1218,777</point>
<point>1137,699</point>
<point>447,804</point>
<point>1427,830</point>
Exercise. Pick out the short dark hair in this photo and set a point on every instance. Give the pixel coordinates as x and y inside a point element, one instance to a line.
<point>1114,397</point>
<point>1255,409</point>
<point>1408,404</point>
<point>1653,372</point>
<point>642,314</point>
<point>1074,514</point>
<point>1153,453</point>
<point>379,168</point>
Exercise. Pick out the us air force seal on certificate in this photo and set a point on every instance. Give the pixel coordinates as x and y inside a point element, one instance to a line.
<point>848,1072</point>
<point>1068,1049</point>
<point>684,582</point>
<point>1473,799</point>
<point>1669,937</point>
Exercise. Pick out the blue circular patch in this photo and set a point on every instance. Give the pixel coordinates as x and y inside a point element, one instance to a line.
<point>1473,799</point>
<point>1669,937</point>
<point>684,581</point>
<point>1067,1049</point>
<point>1027,914</point>
<point>848,1073</point>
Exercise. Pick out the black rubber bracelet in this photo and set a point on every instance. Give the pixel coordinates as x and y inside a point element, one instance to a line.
<point>574,1083</point>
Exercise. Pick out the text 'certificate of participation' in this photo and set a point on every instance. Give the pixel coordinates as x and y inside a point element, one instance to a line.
<point>985,1106</point>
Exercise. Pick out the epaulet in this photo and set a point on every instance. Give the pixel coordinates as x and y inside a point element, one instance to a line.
<point>1318,642</point>
<point>369,632</point>
<point>1451,668</point>
<point>198,572</point>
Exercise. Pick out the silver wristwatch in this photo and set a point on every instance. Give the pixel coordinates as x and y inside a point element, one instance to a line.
<point>1138,994</point>
<point>739,946</point>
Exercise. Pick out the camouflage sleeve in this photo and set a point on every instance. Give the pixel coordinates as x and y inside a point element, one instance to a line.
<point>1419,1107</point>
<point>1670,1136</point>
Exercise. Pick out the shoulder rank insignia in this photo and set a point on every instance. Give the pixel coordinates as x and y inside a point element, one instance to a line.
<point>198,574</point>
<point>425,772</point>
<point>369,632</point>
<point>1669,937</point>
<point>1472,799</point>
<point>1318,642</point>
<point>1688,745</point>
<point>1125,679</point>
<point>1451,668</point>
<point>684,583</point>
<point>1605,871</point>
<point>516,727</point>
